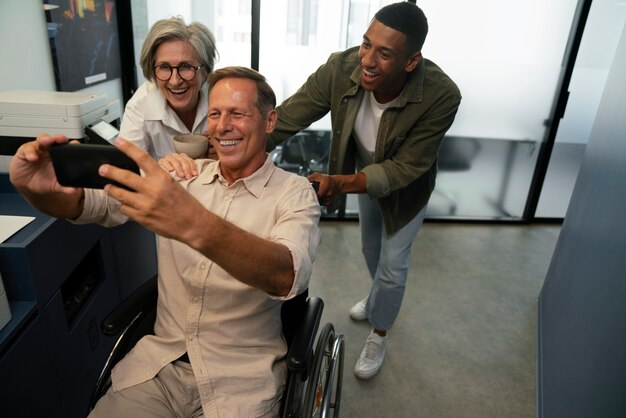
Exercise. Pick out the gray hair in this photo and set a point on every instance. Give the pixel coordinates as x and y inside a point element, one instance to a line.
<point>199,37</point>
<point>266,99</point>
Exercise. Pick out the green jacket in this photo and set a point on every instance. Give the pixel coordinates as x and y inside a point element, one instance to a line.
<point>402,176</point>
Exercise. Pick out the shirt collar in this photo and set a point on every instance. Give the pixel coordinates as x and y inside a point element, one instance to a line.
<point>254,183</point>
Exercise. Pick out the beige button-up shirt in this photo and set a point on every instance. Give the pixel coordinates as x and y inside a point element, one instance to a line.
<point>231,331</point>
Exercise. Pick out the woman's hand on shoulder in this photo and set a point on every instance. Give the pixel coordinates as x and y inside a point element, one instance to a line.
<point>182,164</point>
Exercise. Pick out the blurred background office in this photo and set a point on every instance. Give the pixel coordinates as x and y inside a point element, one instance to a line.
<point>533,75</point>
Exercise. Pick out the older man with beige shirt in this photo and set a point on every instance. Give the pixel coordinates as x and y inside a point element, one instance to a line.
<point>234,242</point>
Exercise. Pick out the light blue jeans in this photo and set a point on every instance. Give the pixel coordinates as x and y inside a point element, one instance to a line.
<point>387,258</point>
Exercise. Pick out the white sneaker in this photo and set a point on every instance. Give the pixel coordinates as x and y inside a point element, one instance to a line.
<point>357,312</point>
<point>372,356</point>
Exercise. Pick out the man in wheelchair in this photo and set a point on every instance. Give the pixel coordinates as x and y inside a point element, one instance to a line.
<point>234,242</point>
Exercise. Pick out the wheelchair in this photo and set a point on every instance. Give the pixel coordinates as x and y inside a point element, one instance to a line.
<point>315,370</point>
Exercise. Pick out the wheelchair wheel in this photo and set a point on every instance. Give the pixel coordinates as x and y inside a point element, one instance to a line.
<point>323,391</point>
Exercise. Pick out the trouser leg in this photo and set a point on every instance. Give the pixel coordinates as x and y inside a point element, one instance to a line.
<point>387,258</point>
<point>371,225</point>
<point>172,393</point>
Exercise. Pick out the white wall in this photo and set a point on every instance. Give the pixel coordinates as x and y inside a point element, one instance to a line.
<point>25,54</point>
<point>24,48</point>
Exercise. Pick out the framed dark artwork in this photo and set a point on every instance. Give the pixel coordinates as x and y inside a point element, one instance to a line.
<point>84,42</point>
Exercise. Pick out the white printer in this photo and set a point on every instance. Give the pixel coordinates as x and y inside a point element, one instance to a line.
<point>27,113</point>
<point>5,312</point>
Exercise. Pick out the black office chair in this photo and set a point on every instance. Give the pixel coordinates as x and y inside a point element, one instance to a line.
<point>304,153</point>
<point>315,372</point>
<point>456,154</point>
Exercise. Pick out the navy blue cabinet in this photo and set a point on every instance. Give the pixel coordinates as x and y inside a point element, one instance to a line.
<point>61,280</point>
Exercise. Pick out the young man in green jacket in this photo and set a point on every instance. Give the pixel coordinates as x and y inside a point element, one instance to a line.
<point>390,109</point>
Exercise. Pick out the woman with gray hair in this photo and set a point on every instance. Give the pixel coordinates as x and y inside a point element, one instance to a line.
<point>176,59</point>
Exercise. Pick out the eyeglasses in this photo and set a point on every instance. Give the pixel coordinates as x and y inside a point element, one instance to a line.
<point>185,71</point>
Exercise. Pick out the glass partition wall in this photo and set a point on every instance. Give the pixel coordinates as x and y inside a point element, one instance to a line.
<point>506,56</point>
<point>598,45</point>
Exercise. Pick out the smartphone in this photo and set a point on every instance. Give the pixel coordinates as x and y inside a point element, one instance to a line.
<point>101,132</point>
<point>76,165</point>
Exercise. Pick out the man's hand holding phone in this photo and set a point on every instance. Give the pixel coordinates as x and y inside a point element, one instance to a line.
<point>31,165</point>
<point>32,174</point>
<point>155,200</point>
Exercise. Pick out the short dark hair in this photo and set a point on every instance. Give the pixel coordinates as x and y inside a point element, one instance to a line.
<point>266,99</point>
<point>408,18</point>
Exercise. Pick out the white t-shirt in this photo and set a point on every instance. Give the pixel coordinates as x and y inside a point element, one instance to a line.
<point>366,126</point>
<point>150,123</point>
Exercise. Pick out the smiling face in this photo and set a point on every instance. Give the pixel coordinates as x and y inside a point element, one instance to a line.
<point>237,129</point>
<point>385,61</point>
<point>182,96</point>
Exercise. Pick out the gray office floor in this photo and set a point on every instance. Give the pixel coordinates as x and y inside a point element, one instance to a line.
<point>464,344</point>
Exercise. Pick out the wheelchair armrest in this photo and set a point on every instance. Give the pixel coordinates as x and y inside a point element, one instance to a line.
<point>141,299</point>
<point>304,336</point>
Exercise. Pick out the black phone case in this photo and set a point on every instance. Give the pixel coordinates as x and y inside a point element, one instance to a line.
<point>76,165</point>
